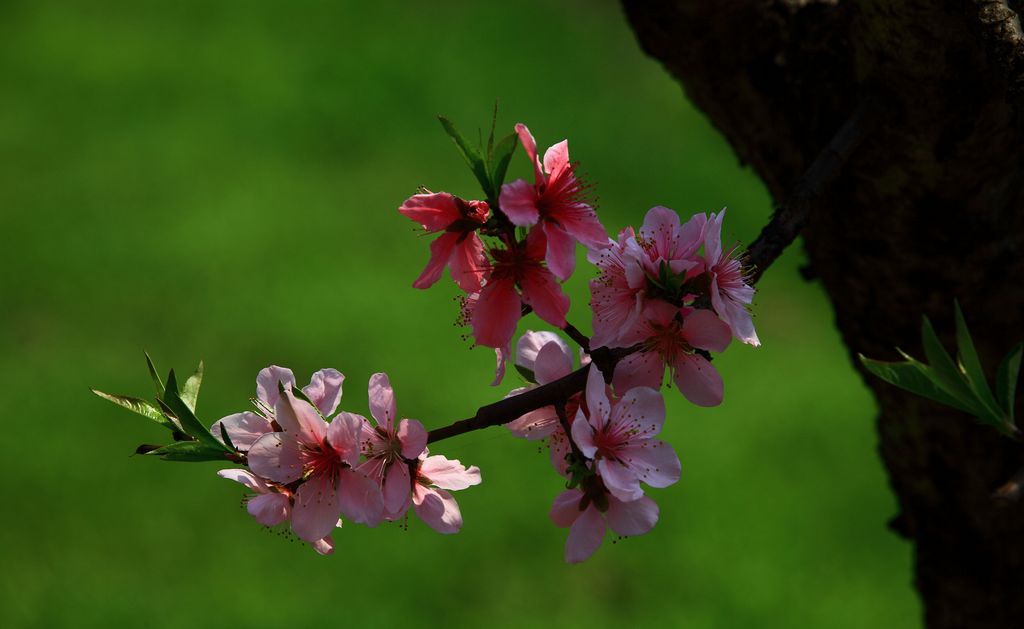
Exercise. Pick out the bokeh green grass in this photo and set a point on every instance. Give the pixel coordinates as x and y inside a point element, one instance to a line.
<point>219,181</point>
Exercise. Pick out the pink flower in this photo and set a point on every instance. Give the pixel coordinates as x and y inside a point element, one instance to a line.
<point>322,456</point>
<point>730,293</point>
<point>458,247</point>
<point>667,340</point>
<point>495,312</point>
<point>388,446</point>
<point>667,242</point>
<point>434,505</point>
<point>548,357</point>
<point>557,201</point>
<point>616,294</point>
<point>585,513</point>
<point>272,503</point>
<point>324,390</point>
<point>619,438</point>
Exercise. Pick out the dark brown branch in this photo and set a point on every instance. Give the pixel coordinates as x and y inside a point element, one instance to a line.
<point>790,217</point>
<point>998,27</point>
<point>508,409</point>
<point>581,339</point>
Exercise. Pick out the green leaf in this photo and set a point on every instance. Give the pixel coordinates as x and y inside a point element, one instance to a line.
<point>190,392</point>
<point>141,407</point>
<point>470,154</point>
<point>227,438</point>
<point>189,451</point>
<point>500,160</point>
<point>190,424</point>
<point>942,367</point>
<point>970,366</point>
<point>154,375</point>
<point>912,376</point>
<point>490,138</point>
<point>527,374</point>
<point>1006,380</point>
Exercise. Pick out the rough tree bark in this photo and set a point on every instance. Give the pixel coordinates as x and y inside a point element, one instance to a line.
<point>925,210</point>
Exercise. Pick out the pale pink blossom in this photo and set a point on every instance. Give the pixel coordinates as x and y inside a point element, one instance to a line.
<point>670,336</point>
<point>665,241</point>
<point>322,456</point>
<point>557,201</point>
<point>619,436</point>
<point>516,276</point>
<point>389,445</point>
<point>324,390</point>
<point>548,358</point>
<point>458,247</point>
<point>435,475</point>
<point>617,293</point>
<point>272,504</point>
<point>585,513</point>
<point>730,293</point>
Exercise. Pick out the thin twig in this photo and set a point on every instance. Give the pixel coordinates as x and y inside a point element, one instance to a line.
<point>791,217</point>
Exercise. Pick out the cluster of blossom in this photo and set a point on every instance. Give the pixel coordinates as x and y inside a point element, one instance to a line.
<point>309,469</point>
<point>665,297</point>
<point>669,295</point>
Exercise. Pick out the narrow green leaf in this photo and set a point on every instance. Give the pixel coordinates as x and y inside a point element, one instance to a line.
<point>970,366</point>
<point>190,391</point>
<point>301,395</point>
<point>500,160</point>
<point>1006,380</point>
<point>154,375</point>
<point>138,406</point>
<point>189,451</point>
<point>912,376</point>
<point>527,374</point>
<point>226,438</point>
<point>190,424</point>
<point>942,366</point>
<point>470,154</point>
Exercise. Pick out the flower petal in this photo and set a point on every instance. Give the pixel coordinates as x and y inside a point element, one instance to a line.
<point>553,362</point>
<point>530,344</point>
<point>597,398</point>
<point>440,252</point>
<point>382,401</point>
<point>316,508</point>
<point>448,474</point>
<point>468,264</point>
<point>267,383</point>
<point>704,330</point>
<point>530,146</point>
<point>518,201</point>
<point>621,481</point>
<point>438,509</point>
<point>632,518</point>
<point>640,412</point>
<point>269,509</point>
<point>561,252</point>
<point>556,159</point>
<point>641,369</point>
<point>245,477</point>
<point>299,418</point>
<point>496,314</point>
<point>243,429</point>
<point>698,380</point>
<point>324,546</point>
<point>536,424</point>
<point>413,438</point>
<point>713,238</point>
<point>324,390</point>
<point>360,498</point>
<point>434,212</point>
<point>653,461</point>
<point>541,291</point>
<point>585,536</point>
<point>397,489</point>
<point>275,456</point>
<point>345,435</point>
<point>583,435</point>
<point>566,508</point>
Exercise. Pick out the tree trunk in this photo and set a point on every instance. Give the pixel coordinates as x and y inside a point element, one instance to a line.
<point>926,210</point>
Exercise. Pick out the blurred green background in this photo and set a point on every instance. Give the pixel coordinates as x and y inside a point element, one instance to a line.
<point>219,181</point>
